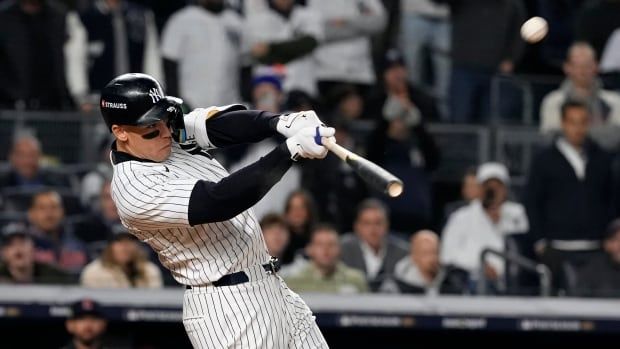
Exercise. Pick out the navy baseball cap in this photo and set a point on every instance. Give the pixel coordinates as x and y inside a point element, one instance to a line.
<point>270,79</point>
<point>393,57</point>
<point>13,230</point>
<point>86,307</point>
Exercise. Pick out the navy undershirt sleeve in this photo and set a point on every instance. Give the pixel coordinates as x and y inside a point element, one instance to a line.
<point>241,126</point>
<point>216,202</point>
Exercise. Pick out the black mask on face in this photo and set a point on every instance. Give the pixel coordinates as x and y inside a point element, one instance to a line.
<point>213,6</point>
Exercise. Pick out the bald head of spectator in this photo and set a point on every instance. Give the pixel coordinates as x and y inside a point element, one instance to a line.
<point>424,252</point>
<point>371,223</point>
<point>24,156</point>
<point>581,66</point>
<point>46,211</point>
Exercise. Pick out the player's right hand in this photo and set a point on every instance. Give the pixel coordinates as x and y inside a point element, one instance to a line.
<point>289,124</point>
<point>307,142</point>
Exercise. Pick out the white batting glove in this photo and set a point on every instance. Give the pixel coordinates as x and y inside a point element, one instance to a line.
<point>290,124</point>
<point>307,142</point>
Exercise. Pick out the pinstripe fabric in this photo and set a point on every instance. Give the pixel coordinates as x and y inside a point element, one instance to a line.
<point>153,199</point>
<point>262,313</point>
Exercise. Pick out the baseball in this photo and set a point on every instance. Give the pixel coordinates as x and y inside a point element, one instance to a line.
<point>534,29</point>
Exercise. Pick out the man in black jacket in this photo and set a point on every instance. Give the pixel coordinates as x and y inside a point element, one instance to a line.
<point>601,276</point>
<point>32,62</point>
<point>485,41</point>
<point>569,194</point>
<point>402,144</point>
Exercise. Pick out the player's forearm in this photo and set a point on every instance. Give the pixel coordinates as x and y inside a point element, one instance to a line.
<point>215,202</point>
<point>241,126</point>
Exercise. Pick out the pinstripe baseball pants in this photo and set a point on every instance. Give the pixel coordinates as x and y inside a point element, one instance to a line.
<point>261,313</point>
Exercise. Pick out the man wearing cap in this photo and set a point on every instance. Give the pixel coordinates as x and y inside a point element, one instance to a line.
<point>87,325</point>
<point>18,262</point>
<point>484,223</point>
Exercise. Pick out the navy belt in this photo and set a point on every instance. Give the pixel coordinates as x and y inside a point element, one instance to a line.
<point>241,277</point>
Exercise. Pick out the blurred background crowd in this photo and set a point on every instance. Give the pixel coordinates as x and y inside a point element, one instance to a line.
<point>410,84</point>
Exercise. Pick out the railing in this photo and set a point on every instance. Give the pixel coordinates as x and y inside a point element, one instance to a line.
<point>73,138</point>
<point>544,274</point>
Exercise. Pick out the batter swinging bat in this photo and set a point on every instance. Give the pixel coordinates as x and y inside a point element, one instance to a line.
<point>370,172</point>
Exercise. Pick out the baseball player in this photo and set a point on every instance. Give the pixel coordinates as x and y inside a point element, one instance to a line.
<point>174,196</point>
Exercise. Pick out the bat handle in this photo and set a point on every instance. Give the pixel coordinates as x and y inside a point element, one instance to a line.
<point>335,148</point>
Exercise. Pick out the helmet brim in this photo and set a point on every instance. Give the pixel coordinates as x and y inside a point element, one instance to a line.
<point>165,109</point>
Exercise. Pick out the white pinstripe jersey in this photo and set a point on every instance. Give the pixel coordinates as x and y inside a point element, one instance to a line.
<point>153,199</point>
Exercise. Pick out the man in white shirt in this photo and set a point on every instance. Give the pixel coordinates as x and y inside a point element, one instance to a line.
<point>583,85</point>
<point>201,46</point>
<point>283,37</point>
<point>345,57</point>
<point>484,223</point>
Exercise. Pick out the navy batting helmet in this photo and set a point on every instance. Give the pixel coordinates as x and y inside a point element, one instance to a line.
<point>137,99</point>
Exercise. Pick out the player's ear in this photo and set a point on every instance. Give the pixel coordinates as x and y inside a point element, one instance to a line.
<point>119,133</point>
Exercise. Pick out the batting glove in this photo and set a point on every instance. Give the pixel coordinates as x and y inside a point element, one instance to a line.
<point>307,142</point>
<point>289,124</point>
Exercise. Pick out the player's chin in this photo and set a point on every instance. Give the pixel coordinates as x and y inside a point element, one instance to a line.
<point>163,153</point>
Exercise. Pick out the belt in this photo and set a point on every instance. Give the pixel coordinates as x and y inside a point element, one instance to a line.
<point>241,277</point>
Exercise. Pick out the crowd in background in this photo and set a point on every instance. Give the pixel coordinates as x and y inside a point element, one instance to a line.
<point>376,70</point>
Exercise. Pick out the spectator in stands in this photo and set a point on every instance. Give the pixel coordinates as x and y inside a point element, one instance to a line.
<point>596,21</point>
<point>416,272</point>
<point>32,62</point>
<point>93,181</point>
<point>283,37</point>
<point>86,325</point>
<point>610,61</point>
<point>345,56</point>
<point>267,92</point>
<point>470,190</point>
<point>338,189</point>
<point>276,234</point>
<point>123,264</point>
<point>55,243</point>
<point>201,45</point>
<point>569,194</point>
<point>371,249</point>
<point>120,37</point>
<point>103,219</point>
<point>18,262</point>
<point>484,223</point>
<point>600,277</point>
<point>403,145</point>
<point>581,84</point>
<point>300,215</point>
<point>425,29</point>
<point>421,272</point>
<point>485,41</point>
<point>325,272</point>
<point>25,170</point>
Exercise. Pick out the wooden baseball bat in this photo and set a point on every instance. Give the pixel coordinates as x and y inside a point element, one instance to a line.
<point>371,173</point>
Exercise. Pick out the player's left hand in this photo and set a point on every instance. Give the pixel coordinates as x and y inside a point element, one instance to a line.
<point>307,142</point>
<point>290,124</point>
